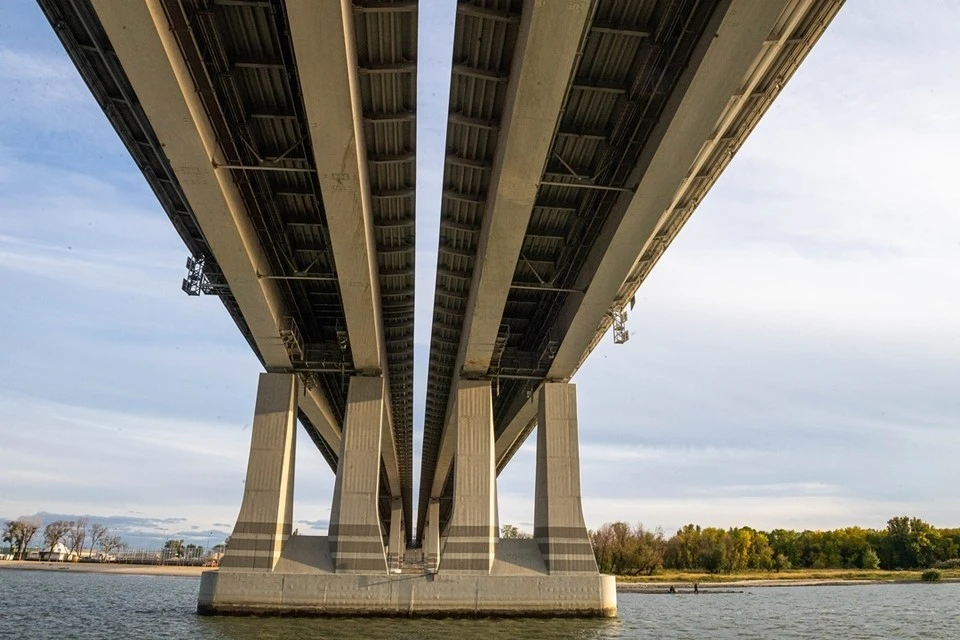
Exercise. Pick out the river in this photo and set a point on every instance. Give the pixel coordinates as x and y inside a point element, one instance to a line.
<point>82,606</point>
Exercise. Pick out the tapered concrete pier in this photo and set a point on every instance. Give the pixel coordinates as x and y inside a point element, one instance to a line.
<point>265,519</point>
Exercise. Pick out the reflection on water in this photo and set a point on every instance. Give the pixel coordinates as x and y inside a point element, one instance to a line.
<point>39,604</point>
<point>393,629</point>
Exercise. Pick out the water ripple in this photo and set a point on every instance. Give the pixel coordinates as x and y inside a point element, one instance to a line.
<point>74,606</point>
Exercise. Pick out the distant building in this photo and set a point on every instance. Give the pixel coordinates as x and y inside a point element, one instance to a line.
<point>60,553</point>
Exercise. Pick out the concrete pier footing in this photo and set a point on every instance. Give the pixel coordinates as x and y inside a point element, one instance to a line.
<point>304,584</point>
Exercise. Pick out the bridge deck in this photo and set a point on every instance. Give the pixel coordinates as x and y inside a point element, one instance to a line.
<point>623,118</point>
<point>240,58</point>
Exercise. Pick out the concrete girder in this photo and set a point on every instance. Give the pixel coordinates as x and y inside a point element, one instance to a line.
<point>725,139</point>
<point>142,39</point>
<point>325,48</point>
<point>733,47</point>
<point>547,47</point>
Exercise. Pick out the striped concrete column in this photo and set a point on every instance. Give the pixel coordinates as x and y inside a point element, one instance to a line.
<point>558,514</point>
<point>397,547</point>
<point>472,535</point>
<point>431,534</point>
<point>356,540</point>
<point>266,512</point>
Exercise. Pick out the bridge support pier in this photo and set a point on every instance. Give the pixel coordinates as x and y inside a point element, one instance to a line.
<point>397,547</point>
<point>265,519</point>
<point>431,543</point>
<point>558,525</point>
<point>356,538</point>
<point>470,544</point>
<point>268,571</point>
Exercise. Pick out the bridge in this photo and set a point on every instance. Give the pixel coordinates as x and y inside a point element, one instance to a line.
<point>279,137</point>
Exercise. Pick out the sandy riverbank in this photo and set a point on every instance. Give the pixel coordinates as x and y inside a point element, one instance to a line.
<point>738,586</point>
<point>96,567</point>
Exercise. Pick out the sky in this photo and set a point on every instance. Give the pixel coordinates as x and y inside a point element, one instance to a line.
<point>794,358</point>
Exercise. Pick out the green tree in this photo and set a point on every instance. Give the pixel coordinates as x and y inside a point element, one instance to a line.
<point>173,548</point>
<point>781,563</point>
<point>905,542</point>
<point>869,559</point>
<point>602,541</point>
<point>683,549</point>
<point>909,543</point>
<point>510,532</point>
<point>761,553</point>
<point>786,543</point>
<point>645,550</point>
<point>714,551</point>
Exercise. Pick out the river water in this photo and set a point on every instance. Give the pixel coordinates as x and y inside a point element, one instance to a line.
<point>82,606</point>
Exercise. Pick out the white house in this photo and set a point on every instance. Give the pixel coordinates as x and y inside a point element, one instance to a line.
<point>59,553</point>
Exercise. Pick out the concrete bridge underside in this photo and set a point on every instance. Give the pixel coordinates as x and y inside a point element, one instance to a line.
<point>279,135</point>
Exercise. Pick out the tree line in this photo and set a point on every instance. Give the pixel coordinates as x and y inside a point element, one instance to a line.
<point>905,543</point>
<point>20,533</point>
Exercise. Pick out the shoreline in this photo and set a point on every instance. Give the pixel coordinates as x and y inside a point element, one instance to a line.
<point>737,586</point>
<point>682,586</point>
<point>96,567</point>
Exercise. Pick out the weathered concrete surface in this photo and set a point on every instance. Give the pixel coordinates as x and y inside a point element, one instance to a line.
<point>356,539</point>
<point>265,518</point>
<point>558,524</point>
<point>471,536</point>
<point>304,584</point>
<point>397,549</point>
<point>431,544</point>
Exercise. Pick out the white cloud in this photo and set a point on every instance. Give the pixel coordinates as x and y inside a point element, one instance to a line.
<point>783,512</point>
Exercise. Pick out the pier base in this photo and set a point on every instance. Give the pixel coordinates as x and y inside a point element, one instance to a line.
<point>303,583</point>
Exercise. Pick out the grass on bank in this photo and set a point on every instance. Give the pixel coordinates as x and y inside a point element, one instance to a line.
<point>672,576</point>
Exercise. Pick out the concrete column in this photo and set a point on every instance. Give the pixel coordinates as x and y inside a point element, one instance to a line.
<point>472,535</point>
<point>397,547</point>
<point>265,516</point>
<point>356,541</point>
<point>558,515</point>
<point>431,534</point>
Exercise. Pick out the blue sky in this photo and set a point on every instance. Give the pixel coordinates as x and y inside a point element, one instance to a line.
<point>794,360</point>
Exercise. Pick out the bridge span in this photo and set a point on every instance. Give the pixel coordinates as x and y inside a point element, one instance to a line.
<point>279,137</point>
